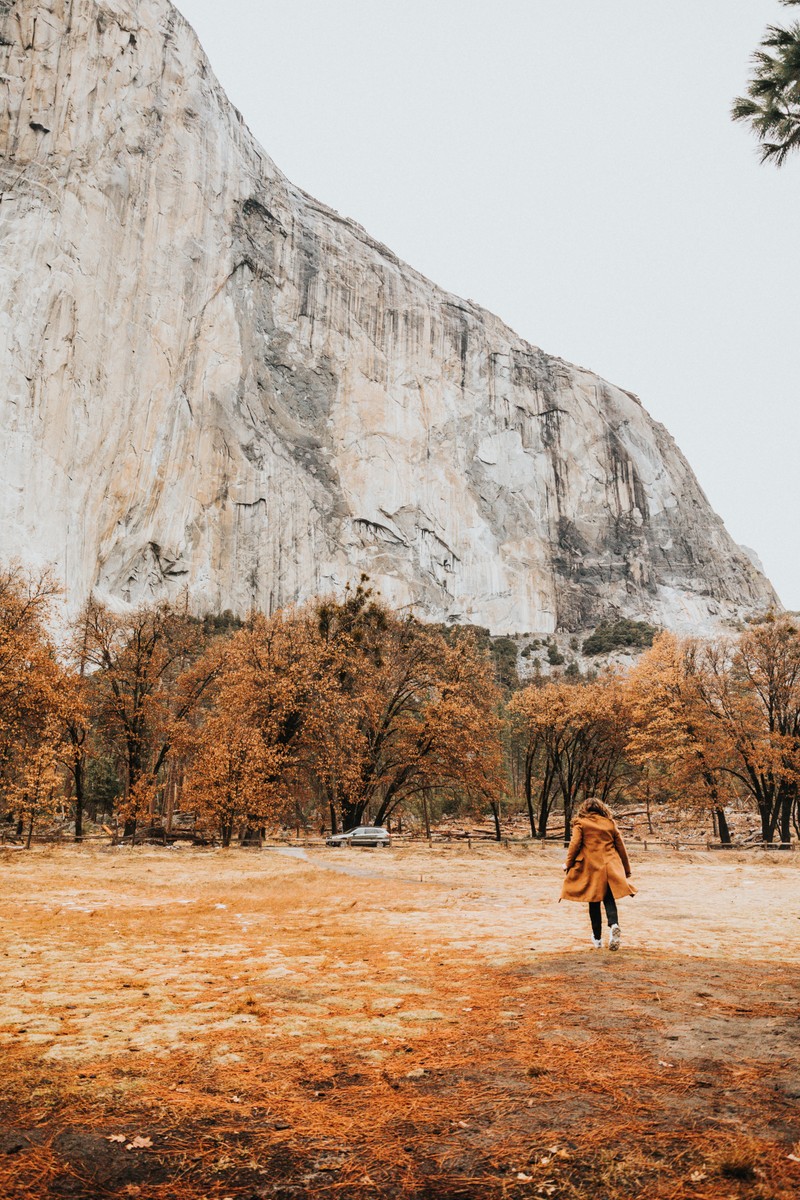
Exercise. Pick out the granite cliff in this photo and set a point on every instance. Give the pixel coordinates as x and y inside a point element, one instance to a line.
<point>208,379</point>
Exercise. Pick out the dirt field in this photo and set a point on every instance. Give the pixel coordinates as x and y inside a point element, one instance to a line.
<point>197,1023</point>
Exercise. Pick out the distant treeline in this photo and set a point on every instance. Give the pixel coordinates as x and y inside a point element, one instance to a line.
<point>342,711</point>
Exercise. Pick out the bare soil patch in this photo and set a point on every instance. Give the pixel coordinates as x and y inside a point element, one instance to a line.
<point>194,1023</point>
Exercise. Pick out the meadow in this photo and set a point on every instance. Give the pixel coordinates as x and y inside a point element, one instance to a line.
<point>430,1022</point>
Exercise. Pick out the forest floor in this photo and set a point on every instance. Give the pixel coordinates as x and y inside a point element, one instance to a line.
<point>186,1023</point>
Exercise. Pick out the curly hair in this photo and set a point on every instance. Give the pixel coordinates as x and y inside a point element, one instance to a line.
<point>592,805</point>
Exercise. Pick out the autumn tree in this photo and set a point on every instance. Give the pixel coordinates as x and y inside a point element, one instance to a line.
<point>256,722</point>
<point>349,702</point>
<point>146,684</point>
<point>73,713</point>
<point>417,712</point>
<point>38,781</point>
<point>751,691</point>
<point>29,674</point>
<point>573,736</point>
<point>673,740</point>
<point>231,779</point>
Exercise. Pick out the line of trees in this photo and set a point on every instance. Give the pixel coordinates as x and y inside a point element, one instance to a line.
<point>341,712</point>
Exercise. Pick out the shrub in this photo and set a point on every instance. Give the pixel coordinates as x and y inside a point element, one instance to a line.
<point>619,635</point>
<point>554,655</point>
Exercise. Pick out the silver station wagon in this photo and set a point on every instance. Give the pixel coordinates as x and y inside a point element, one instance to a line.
<point>362,835</point>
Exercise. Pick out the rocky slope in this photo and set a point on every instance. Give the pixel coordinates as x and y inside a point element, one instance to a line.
<point>209,379</point>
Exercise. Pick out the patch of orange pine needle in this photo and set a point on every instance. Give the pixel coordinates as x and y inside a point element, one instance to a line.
<point>295,1043</point>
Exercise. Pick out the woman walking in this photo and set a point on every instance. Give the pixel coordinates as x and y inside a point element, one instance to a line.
<point>597,868</point>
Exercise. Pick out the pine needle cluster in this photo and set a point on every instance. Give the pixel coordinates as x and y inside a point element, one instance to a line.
<point>772,104</point>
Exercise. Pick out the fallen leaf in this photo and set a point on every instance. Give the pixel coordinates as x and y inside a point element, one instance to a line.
<point>236,1099</point>
<point>698,1176</point>
<point>415,1073</point>
<point>661,1063</point>
<point>524,1178</point>
<point>139,1143</point>
<point>117,1137</point>
<point>793,1158</point>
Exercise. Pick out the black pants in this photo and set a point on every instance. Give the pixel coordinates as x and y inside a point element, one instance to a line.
<point>611,912</point>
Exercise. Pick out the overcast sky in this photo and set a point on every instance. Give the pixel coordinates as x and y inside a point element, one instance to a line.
<point>570,165</point>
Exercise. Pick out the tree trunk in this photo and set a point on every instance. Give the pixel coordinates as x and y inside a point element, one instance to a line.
<point>252,835</point>
<point>544,815</point>
<point>567,821</point>
<point>426,816</point>
<point>498,835</point>
<point>352,814</point>
<point>30,833</point>
<point>767,823</point>
<point>169,798</point>
<point>334,822</point>
<point>786,820</point>
<point>78,776</point>
<point>722,826</point>
<point>529,795</point>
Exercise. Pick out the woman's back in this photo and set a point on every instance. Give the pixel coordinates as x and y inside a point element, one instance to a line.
<point>596,860</point>
<point>598,831</point>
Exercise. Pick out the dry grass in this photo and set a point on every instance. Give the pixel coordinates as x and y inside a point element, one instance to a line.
<point>272,1029</point>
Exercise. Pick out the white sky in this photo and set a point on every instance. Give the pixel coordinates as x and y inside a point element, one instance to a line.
<point>570,165</point>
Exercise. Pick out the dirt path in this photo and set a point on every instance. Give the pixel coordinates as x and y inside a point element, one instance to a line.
<point>431,1025</point>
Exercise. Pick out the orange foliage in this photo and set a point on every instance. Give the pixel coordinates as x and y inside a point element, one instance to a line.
<point>29,689</point>
<point>751,692</point>
<point>348,708</point>
<point>574,738</point>
<point>146,685</point>
<point>362,708</point>
<point>36,786</point>
<point>673,740</point>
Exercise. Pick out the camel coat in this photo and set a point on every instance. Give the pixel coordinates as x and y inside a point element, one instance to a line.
<point>596,859</point>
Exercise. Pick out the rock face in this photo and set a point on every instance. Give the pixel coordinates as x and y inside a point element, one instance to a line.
<point>210,380</point>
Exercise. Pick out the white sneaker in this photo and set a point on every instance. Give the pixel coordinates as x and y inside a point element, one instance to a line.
<point>614,935</point>
<point>597,943</point>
